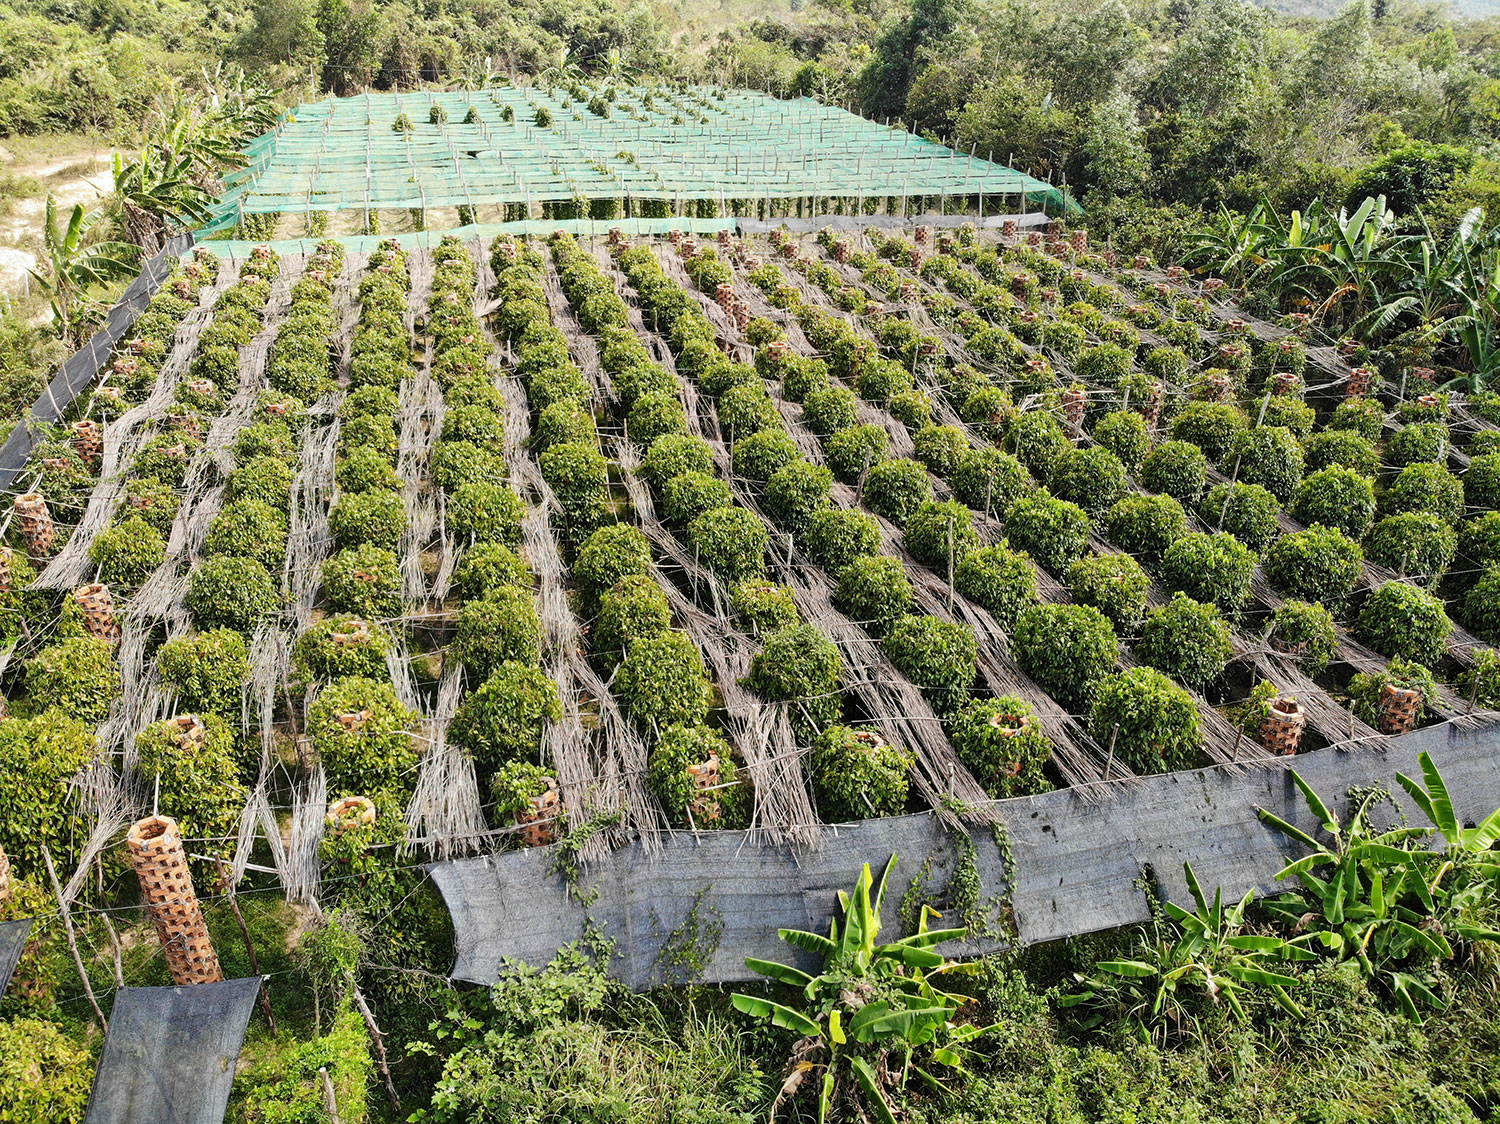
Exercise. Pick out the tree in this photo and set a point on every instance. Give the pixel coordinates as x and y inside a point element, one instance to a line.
<point>1112,145</point>
<point>886,78</point>
<point>281,32</point>
<point>72,268</point>
<point>350,35</point>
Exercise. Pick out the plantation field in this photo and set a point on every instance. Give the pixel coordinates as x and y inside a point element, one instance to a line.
<point>351,560</point>
<point>855,529</point>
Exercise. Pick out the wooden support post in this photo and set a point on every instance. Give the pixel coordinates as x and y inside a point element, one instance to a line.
<point>330,1101</point>
<point>67,916</point>
<point>379,1040</point>
<point>234,906</point>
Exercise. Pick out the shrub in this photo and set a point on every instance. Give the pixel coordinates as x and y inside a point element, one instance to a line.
<point>1105,364</point>
<point>989,480</point>
<point>1052,531</point>
<point>504,719</point>
<point>1213,568</point>
<point>940,448</point>
<point>764,607</point>
<point>515,785</point>
<point>1269,456</point>
<point>675,453</point>
<point>1165,364</point>
<point>747,409</point>
<point>800,665</point>
<point>377,518</point>
<point>236,593</point>
<point>1246,511</point>
<point>1479,538</point>
<point>1212,426</point>
<point>1420,443</point>
<point>1125,434</point>
<point>1341,447</point>
<point>268,479</point>
<point>338,647</point>
<point>128,552</point>
<point>579,475</point>
<point>1002,744</point>
<point>1093,477</point>
<point>1176,469</point>
<point>634,607</point>
<point>1306,632</point>
<point>1114,584</point>
<point>42,755</point>
<point>1037,439</point>
<point>941,657</point>
<point>874,591</point>
<point>1404,622</point>
<point>1288,412</point>
<point>662,682</point>
<point>795,492</point>
<point>609,554</point>
<point>455,463</point>
<point>835,537</point>
<point>857,773</point>
<point>1336,497</point>
<point>77,676</point>
<point>1156,720</point>
<point>365,581</point>
<point>1367,688</point>
<point>758,456</point>
<point>1482,604</point>
<point>206,671</point>
<point>1482,681</point>
<point>940,534</point>
<point>483,512</point>
<point>564,422</point>
<point>196,784</point>
<point>362,733</point>
<point>250,529</point>
<point>676,788</point>
<point>1416,545</point>
<point>987,411</point>
<point>1145,525</point>
<point>1426,488</point>
<point>1186,639</point>
<point>153,501</point>
<point>830,410</point>
<point>501,626</point>
<point>1482,481</point>
<point>473,423</point>
<point>655,415</point>
<point>1363,416</point>
<point>1067,650</point>
<point>851,451</point>
<point>1318,564</point>
<point>730,541</point>
<point>692,494</point>
<point>361,470</point>
<point>999,579</point>
<point>44,1074</point>
<point>896,489</point>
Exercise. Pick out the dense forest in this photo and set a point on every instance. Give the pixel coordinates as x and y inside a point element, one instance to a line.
<point>1156,116</point>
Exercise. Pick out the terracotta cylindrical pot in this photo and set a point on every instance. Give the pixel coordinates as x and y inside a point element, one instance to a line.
<point>156,851</point>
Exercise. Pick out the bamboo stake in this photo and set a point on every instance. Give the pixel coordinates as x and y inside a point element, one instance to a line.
<point>62,905</point>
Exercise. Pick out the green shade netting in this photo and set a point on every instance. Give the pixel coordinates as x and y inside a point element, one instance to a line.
<point>342,154</point>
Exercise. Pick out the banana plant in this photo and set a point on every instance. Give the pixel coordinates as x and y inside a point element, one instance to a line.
<point>1467,873</point>
<point>73,267</point>
<point>873,1014</point>
<point>1376,897</point>
<point>1207,955</point>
